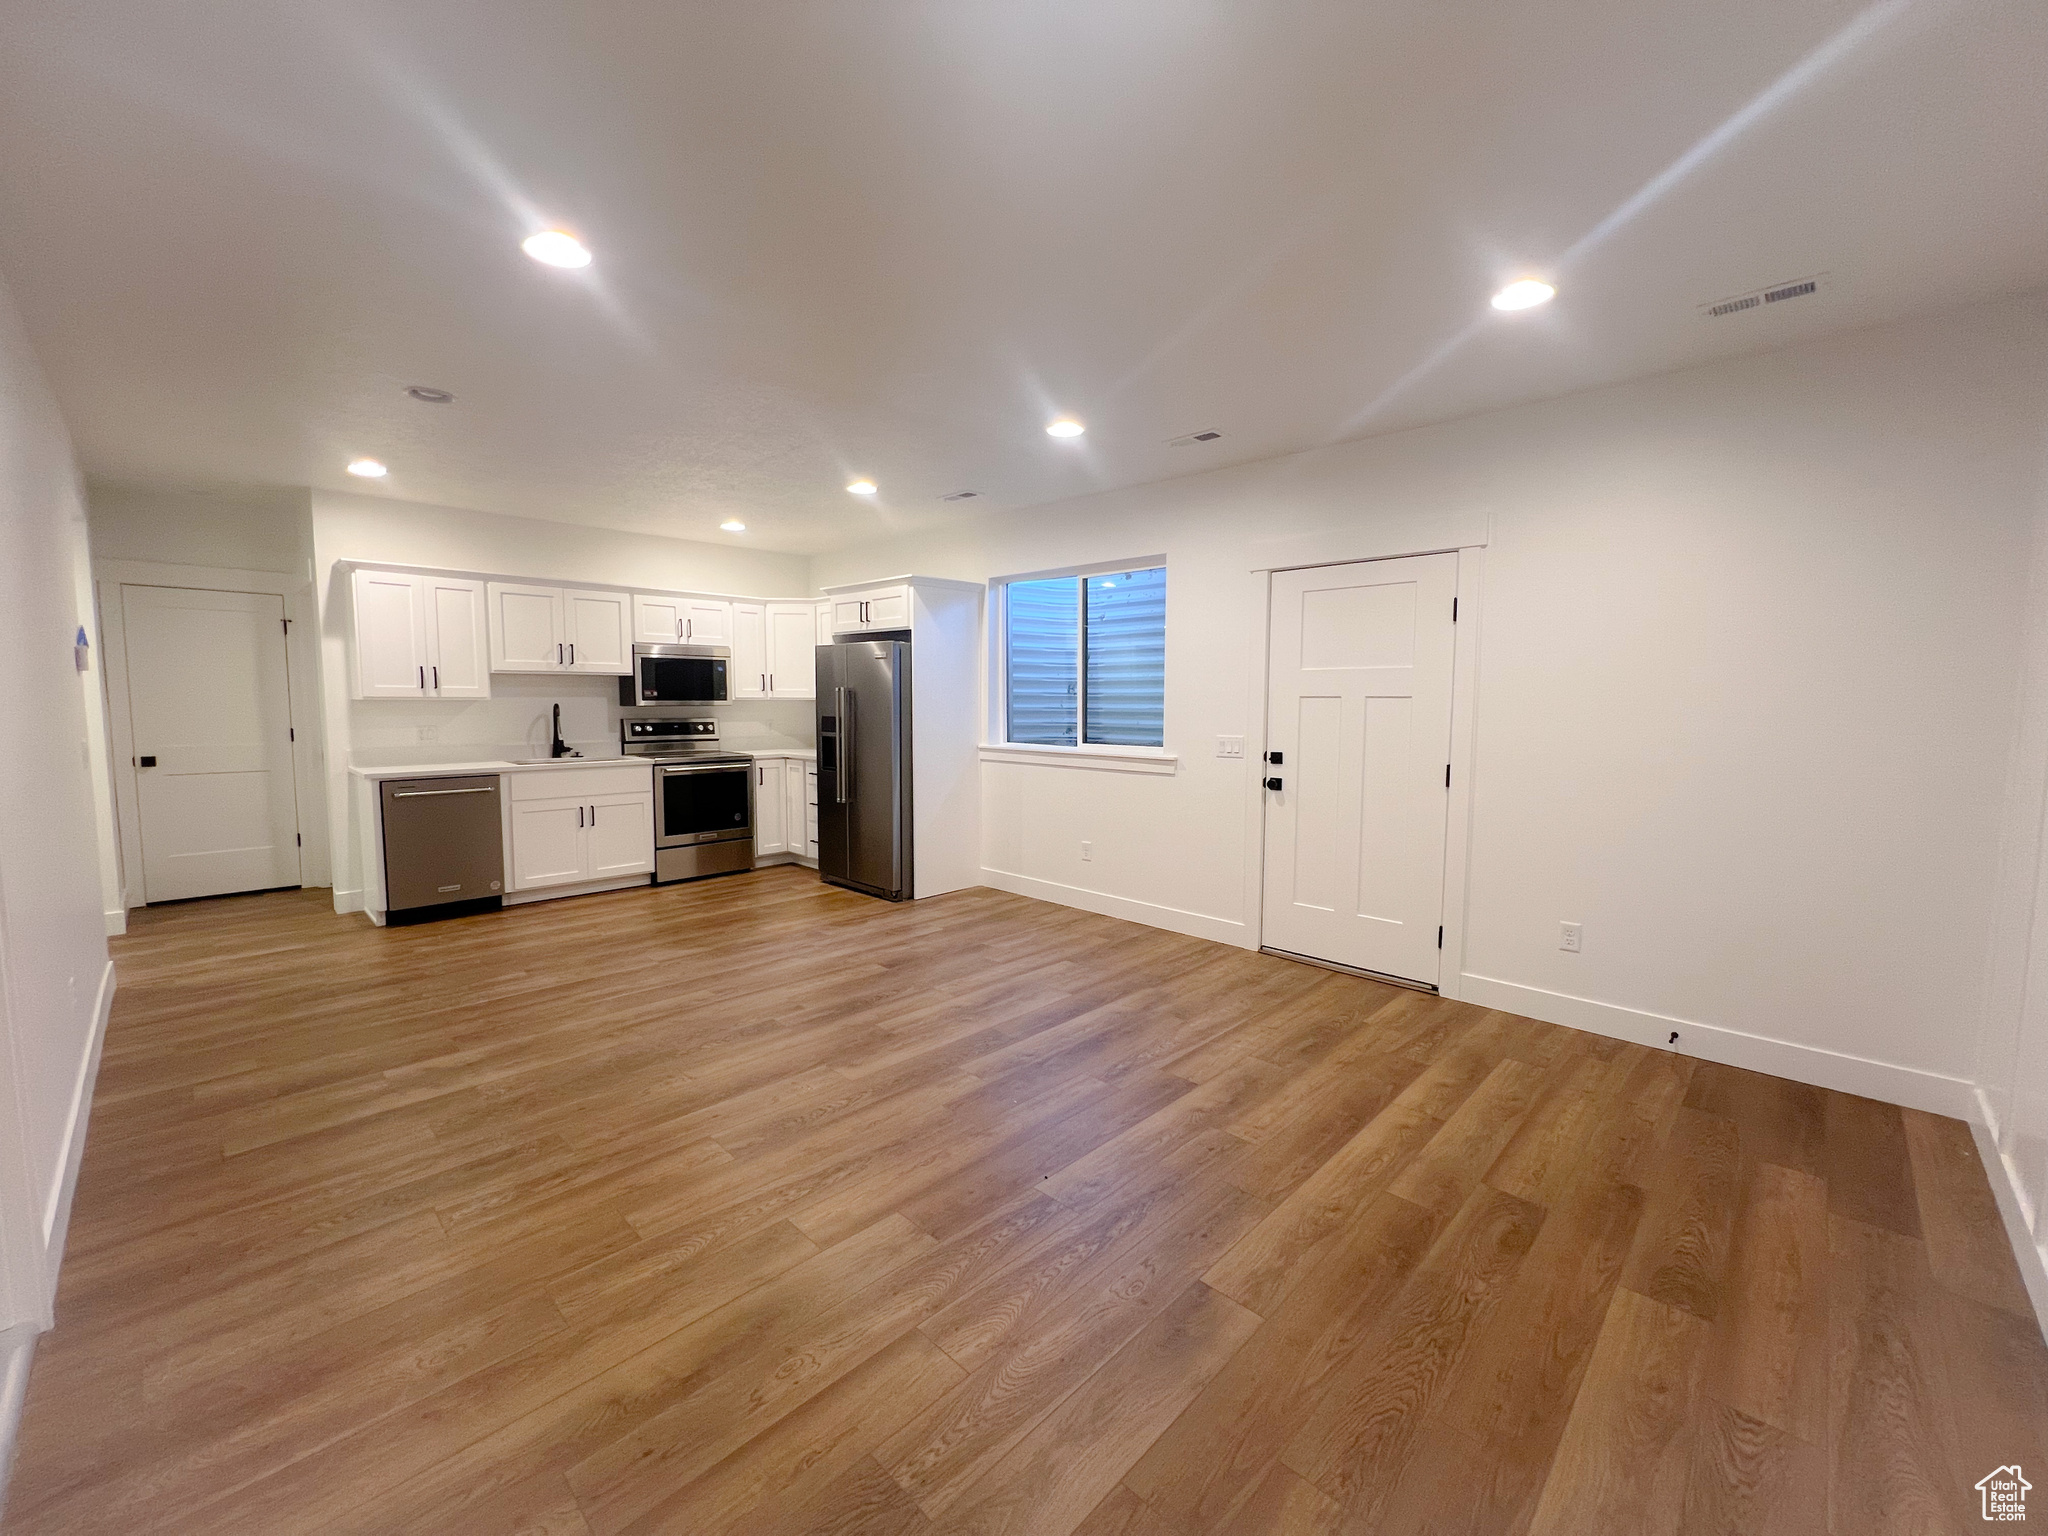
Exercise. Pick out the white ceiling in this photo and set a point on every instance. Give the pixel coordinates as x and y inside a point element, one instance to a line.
<point>891,237</point>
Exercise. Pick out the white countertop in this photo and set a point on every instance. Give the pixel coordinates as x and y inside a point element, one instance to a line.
<point>449,770</point>
<point>808,754</point>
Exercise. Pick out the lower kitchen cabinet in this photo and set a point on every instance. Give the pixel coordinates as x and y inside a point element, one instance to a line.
<point>574,825</point>
<point>771,806</point>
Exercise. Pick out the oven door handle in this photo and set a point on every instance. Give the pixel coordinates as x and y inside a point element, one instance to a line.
<point>671,769</point>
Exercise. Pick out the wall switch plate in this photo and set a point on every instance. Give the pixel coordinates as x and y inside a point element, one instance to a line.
<point>1230,746</point>
<point>1087,851</point>
<point>1568,937</point>
<point>430,733</point>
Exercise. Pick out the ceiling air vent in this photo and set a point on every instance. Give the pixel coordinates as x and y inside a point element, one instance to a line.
<point>1192,438</point>
<point>1757,298</point>
<point>961,496</point>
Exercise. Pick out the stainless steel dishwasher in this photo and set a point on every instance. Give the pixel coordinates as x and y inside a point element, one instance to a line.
<point>444,847</point>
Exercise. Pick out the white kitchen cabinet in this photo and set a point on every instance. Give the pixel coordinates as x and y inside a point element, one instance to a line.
<point>824,624</point>
<point>458,638</point>
<point>873,608</point>
<point>748,674</point>
<point>598,629</point>
<point>657,620</point>
<point>526,628</point>
<point>793,799</point>
<point>771,806</point>
<point>548,840</point>
<point>620,837</point>
<point>418,637</point>
<point>567,826</point>
<point>707,621</point>
<point>810,810</point>
<point>792,639</point>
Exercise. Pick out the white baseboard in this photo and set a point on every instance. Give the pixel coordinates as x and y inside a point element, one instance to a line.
<point>57,1204</point>
<point>1197,924</point>
<point>1910,1086</point>
<point>347,901</point>
<point>117,921</point>
<point>17,1353</point>
<point>2013,1207</point>
<point>581,888</point>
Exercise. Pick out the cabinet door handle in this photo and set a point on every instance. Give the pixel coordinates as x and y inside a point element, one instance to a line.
<point>579,818</point>
<point>437,679</point>
<point>771,682</point>
<point>572,653</point>
<point>760,774</point>
<point>689,629</point>
<point>593,815</point>
<point>423,679</point>
<point>558,653</point>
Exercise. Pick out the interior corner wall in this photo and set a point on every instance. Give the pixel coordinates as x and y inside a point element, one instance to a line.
<point>1749,646</point>
<point>386,530</point>
<point>55,977</point>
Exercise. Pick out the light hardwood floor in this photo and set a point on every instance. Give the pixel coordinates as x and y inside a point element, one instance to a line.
<point>756,1205</point>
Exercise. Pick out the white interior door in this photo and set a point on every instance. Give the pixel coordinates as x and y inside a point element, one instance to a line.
<point>209,700</point>
<point>1359,711</point>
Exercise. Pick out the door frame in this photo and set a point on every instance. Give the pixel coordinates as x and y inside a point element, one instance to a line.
<point>1345,547</point>
<point>302,662</point>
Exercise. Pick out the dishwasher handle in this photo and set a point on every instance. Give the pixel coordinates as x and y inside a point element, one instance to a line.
<point>421,794</point>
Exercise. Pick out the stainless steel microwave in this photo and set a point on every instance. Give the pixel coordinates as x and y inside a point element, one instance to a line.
<point>677,674</point>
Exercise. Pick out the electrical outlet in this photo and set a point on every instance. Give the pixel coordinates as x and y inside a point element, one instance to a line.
<point>1087,852</point>
<point>430,733</point>
<point>1230,746</point>
<point>1568,937</point>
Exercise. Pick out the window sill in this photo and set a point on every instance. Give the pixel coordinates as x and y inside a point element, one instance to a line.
<point>1103,759</point>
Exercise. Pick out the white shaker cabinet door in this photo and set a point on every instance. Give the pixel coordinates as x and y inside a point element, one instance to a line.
<point>749,670</point>
<point>707,621</point>
<point>390,635</point>
<point>792,650</point>
<point>771,813</point>
<point>621,836</point>
<point>599,631</point>
<point>548,843</point>
<point>657,620</point>
<point>458,639</point>
<point>526,628</point>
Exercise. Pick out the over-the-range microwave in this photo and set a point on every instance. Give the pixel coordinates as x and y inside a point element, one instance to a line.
<point>676,674</point>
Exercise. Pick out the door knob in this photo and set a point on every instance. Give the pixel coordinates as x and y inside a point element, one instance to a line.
<point>1272,783</point>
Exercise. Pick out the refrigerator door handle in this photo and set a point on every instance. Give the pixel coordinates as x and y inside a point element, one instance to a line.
<point>845,764</point>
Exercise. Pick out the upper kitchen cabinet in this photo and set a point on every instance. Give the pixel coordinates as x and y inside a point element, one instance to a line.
<point>556,629</point>
<point>774,650</point>
<point>870,609</point>
<point>599,629</point>
<point>526,628</point>
<point>669,620</point>
<point>418,637</point>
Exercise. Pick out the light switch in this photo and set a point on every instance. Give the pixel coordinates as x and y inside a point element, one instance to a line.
<point>1230,746</point>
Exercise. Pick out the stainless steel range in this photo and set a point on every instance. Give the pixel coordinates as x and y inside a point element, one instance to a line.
<point>703,798</point>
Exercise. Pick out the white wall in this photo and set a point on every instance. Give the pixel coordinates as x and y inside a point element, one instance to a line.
<point>1747,662</point>
<point>55,979</point>
<point>247,530</point>
<point>515,720</point>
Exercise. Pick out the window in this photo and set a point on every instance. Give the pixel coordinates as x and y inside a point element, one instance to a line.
<point>1085,659</point>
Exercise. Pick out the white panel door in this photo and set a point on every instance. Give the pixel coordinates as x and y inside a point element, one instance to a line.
<point>1360,714</point>
<point>458,638</point>
<point>598,627</point>
<point>792,650</point>
<point>749,670</point>
<point>657,620</point>
<point>526,629</point>
<point>209,699</point>
<point>771,808</point>
<point>549,846</point>
<point>707,621</point>
<point>621,836</point>
<point>390,635</point>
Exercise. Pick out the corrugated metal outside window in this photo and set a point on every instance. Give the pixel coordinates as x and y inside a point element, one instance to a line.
<point>1098,641</point>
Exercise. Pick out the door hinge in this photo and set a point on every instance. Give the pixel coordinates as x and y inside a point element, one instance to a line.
<point>1447,775</point>
<point>299,838</point>
<point>1439,935</point>
<point>1454,610</point>
<point>292,732</point>
<point>287,623</point>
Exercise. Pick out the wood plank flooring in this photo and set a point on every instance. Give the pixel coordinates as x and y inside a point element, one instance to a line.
<point>757,1206</point>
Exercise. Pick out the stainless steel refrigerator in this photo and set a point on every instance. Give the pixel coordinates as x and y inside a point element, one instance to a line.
<point>864,766</point>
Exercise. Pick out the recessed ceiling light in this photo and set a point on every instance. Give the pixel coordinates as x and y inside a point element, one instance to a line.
<point>1524,293</point>
<point>733,525</point>
<point>862,487</point>
<point>369,469</point>
<point>1064,426</point>
<point>426,394</point>
<point>557,248</point>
